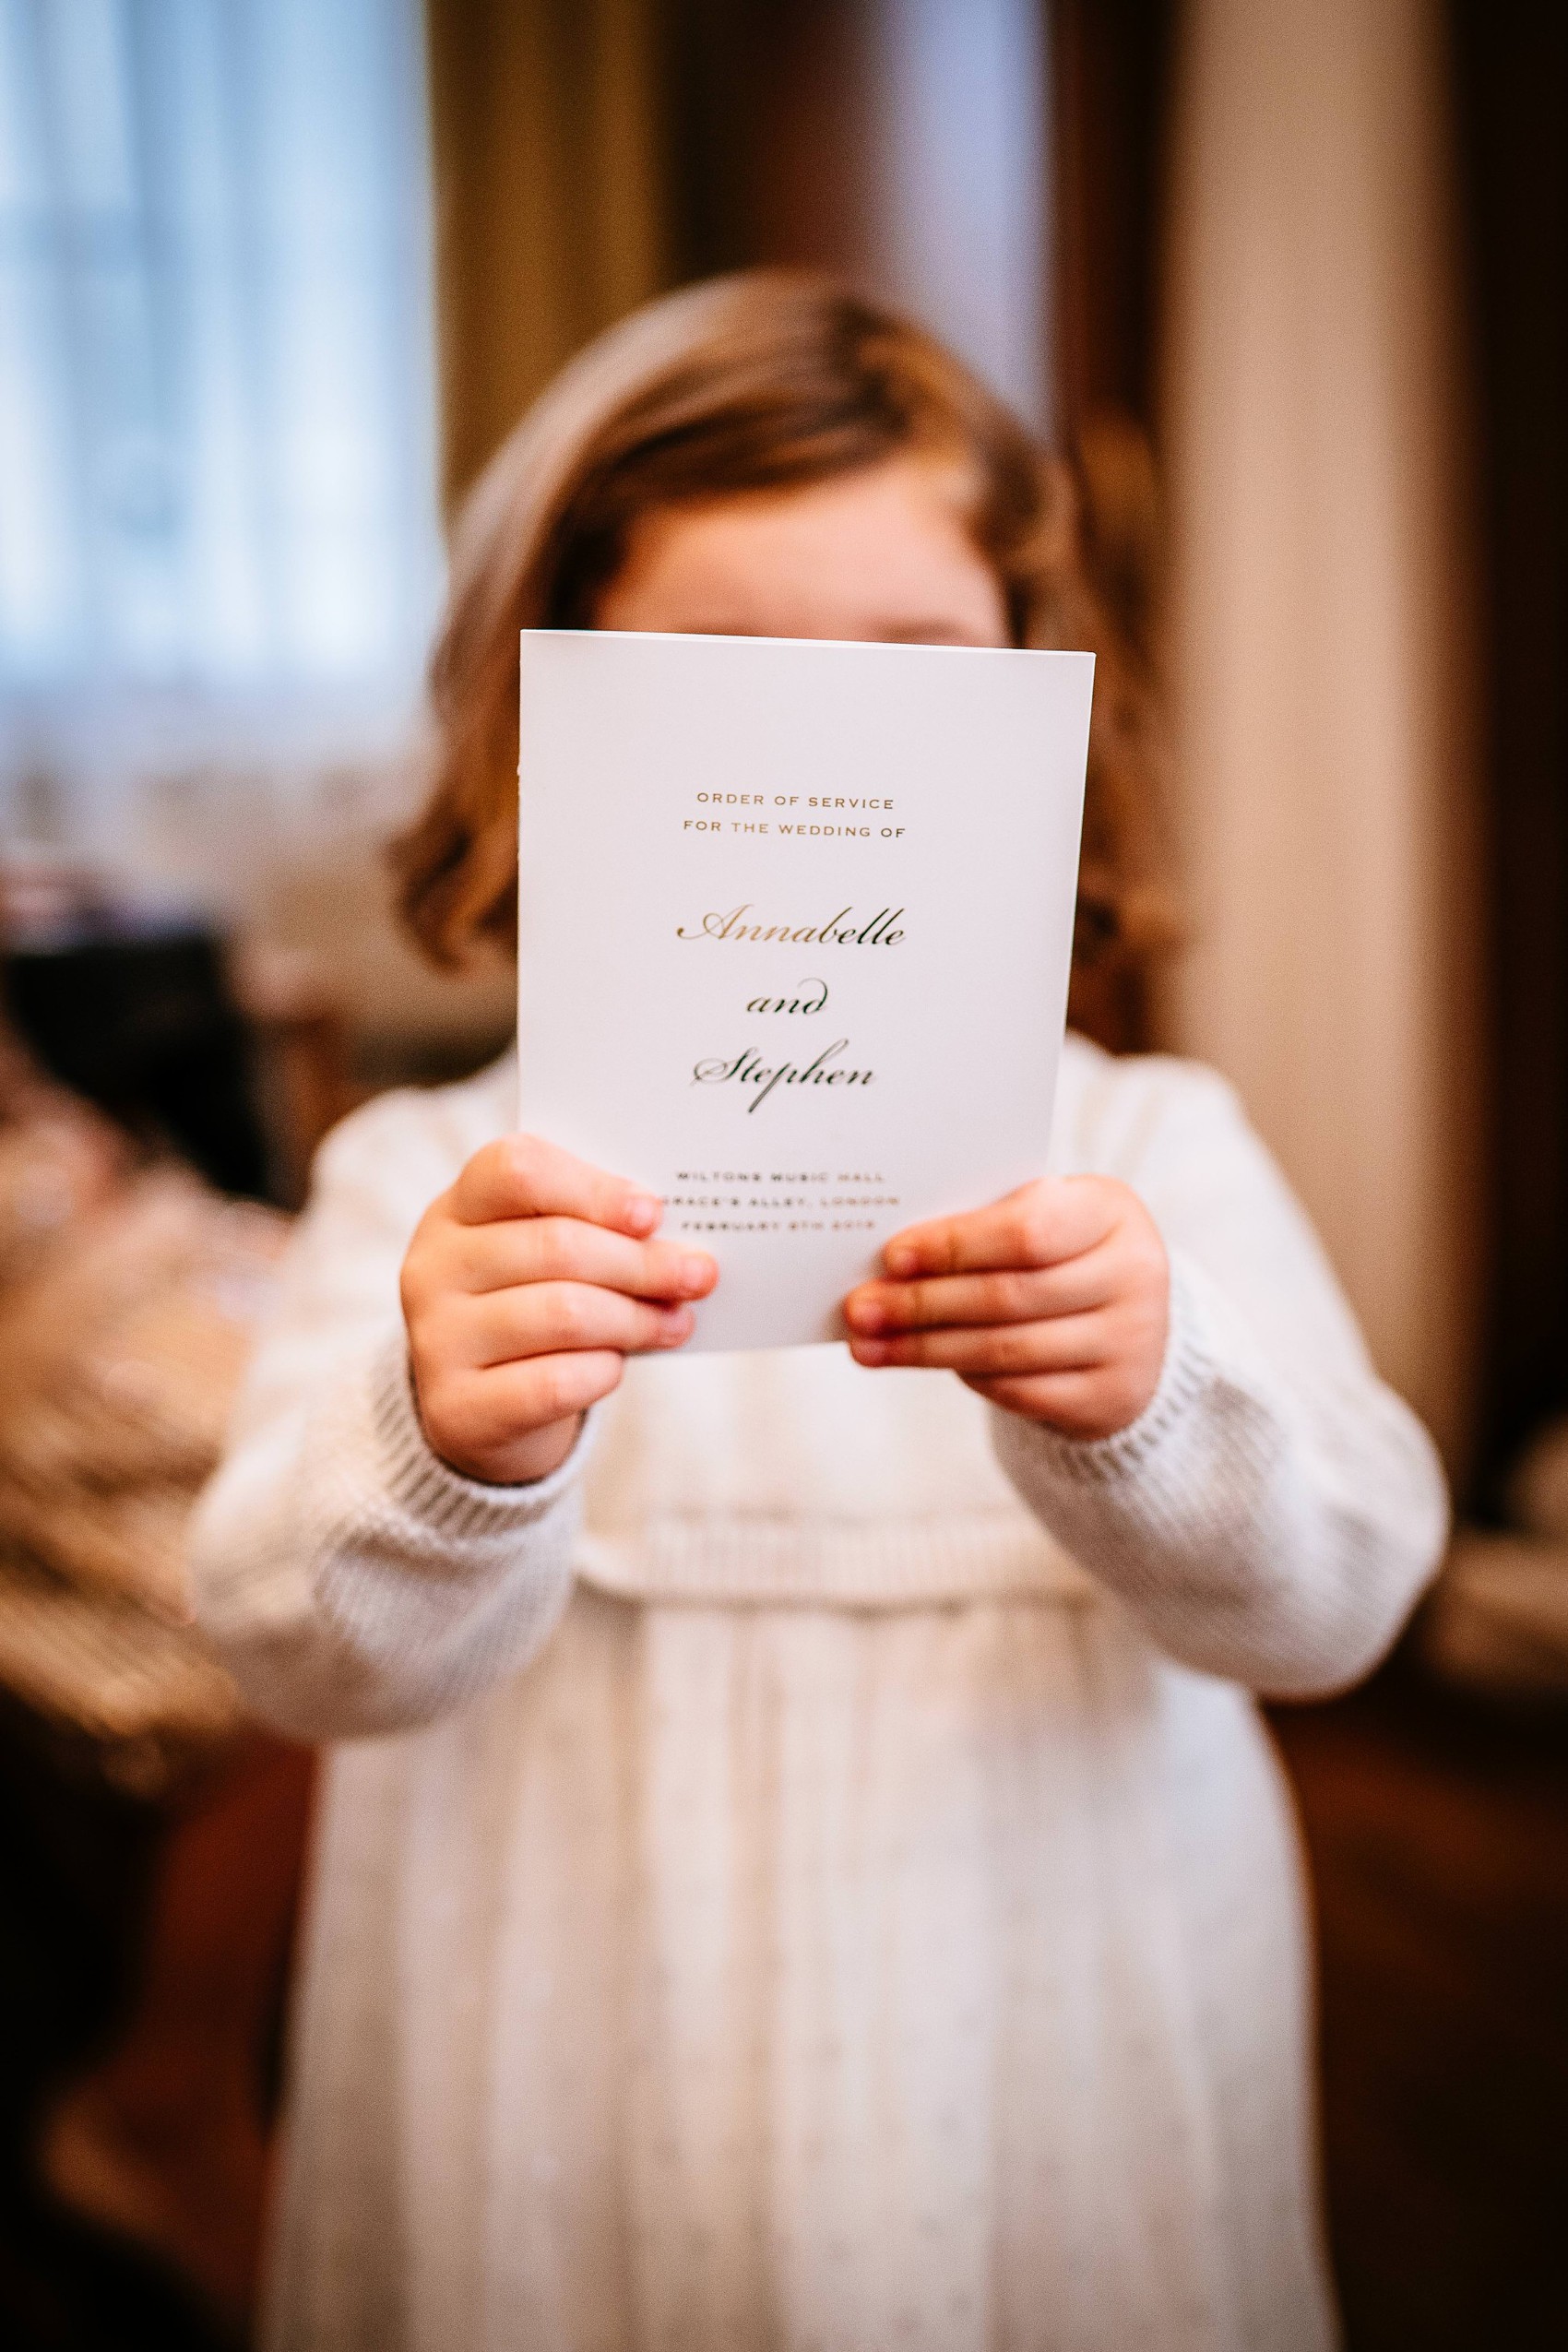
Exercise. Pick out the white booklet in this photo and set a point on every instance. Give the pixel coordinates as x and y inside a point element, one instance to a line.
<point>794,926</point>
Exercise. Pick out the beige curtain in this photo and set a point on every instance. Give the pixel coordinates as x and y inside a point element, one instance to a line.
<point>550,203</point>
<point>1316,444</point>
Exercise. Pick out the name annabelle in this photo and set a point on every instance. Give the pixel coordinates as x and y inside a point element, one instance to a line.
<point>839,931</point>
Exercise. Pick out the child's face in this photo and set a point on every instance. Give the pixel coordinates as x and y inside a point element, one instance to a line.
<point>882,554</point>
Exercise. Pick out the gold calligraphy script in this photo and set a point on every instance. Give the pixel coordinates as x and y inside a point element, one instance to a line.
<point>748,1069</point>
<point>841,930</point>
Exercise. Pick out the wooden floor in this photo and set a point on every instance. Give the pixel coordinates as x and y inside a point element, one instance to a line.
<point>1438,1835</point>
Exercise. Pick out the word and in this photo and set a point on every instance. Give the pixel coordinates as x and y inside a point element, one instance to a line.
<point>811,995</point>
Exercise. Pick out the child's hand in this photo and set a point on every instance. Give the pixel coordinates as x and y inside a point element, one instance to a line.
<point>1053,1303</point>
<point>525,1289</point>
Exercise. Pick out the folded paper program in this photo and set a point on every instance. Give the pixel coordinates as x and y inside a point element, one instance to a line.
<point>930,798</point>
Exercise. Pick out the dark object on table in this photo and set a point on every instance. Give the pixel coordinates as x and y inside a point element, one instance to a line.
<point>135,1013</point>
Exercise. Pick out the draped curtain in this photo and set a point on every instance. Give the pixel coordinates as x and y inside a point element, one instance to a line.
<point>589,153</point>
<point>552,198</point>
<point>1317,457</point>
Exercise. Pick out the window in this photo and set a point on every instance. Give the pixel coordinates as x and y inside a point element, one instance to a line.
<point>960,227</point>
<point>215,410</point>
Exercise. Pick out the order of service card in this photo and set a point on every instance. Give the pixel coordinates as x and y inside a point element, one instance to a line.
<point>794,925</point>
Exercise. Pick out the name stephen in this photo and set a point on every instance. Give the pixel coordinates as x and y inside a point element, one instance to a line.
<point>749,1069</point>
<point>842,929</point>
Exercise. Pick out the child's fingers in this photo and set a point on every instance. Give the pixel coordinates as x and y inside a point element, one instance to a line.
<point>524,1176</point>
<point>1038,1225</point>
<point>493,1404</point>
<point>566,1249</point>
<point>1066,1343</point>
<point>1083,1404</point>
<point>556,1318</point>
<point>1070,1287</point>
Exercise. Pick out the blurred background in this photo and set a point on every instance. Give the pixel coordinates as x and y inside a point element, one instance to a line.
<point>1291,286</point>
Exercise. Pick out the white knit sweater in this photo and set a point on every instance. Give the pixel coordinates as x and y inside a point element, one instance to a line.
<point>820,1879</point>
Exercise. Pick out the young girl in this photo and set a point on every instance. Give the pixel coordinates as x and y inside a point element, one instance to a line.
<point>803,1868</point>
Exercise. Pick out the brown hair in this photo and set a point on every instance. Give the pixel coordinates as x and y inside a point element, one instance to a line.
<point>756,382</point>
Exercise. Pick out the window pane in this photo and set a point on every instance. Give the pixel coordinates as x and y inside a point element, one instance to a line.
<point>214,369</point>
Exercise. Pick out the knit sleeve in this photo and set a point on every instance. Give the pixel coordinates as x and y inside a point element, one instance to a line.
<point>1275,1511</point>
<point>351,1581</point>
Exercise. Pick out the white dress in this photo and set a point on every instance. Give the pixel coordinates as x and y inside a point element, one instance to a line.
<point>810,1875</point>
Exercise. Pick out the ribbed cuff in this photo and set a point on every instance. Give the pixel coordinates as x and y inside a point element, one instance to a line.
<point>1100,1461</point>
<point>422,1484</point>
